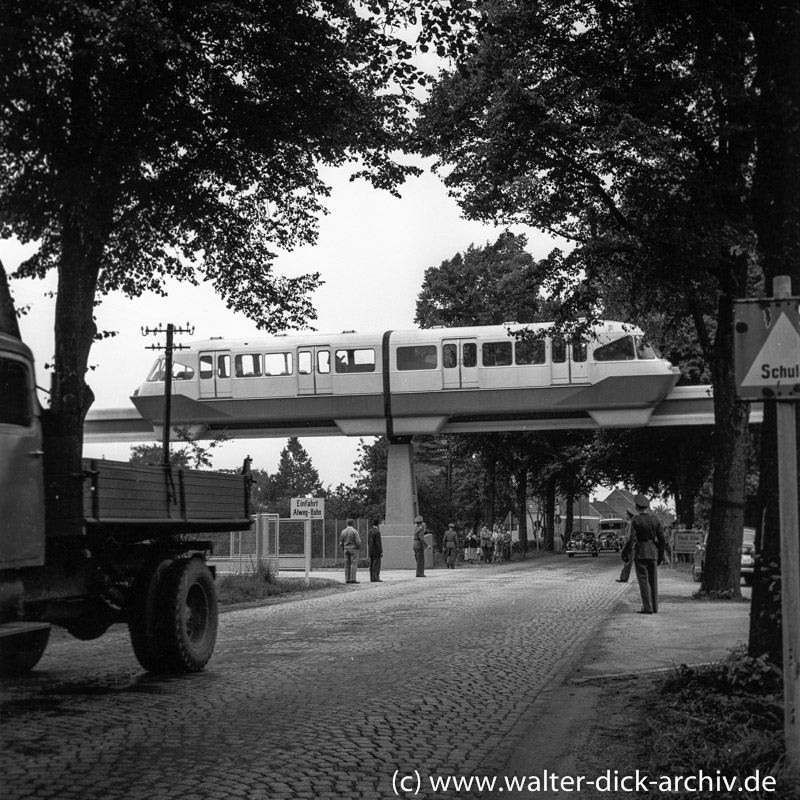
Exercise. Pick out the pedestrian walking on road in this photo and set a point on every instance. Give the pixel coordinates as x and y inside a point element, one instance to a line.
<point>647,534</point>
<point>627,552</point>
<point>351,544</point>
<point>375,548</point>
<point>420,545</point>
<point>450,546</point>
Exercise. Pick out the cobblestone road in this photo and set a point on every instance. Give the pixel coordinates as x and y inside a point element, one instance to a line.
<point>323,697</point>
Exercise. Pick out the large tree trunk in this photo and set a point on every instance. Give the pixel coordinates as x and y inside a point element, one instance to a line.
<point>71,397</point>
<point>776,213</point>
<point>522,509</point>
<point>722,570</point>
<point>549,514</point>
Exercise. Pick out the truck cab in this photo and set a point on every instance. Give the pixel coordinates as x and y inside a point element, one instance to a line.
<point>22,508</point>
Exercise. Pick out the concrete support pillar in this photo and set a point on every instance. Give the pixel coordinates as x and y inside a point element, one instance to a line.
<point>397,532</point>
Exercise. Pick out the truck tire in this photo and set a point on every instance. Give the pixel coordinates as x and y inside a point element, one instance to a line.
<point>142,610</point>
<point>187,626</point>
<point>21,652</point>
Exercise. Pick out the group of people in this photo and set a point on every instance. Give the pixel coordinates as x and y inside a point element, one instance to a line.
<point>644,551</point>
<point>487,547</point>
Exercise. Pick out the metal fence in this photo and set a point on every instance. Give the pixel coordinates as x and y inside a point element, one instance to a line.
<point>280,544</point>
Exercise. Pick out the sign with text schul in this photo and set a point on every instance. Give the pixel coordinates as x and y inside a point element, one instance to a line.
<point>767,348</point>
<point>307,508</point>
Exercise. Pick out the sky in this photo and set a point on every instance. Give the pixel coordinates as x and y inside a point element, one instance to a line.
<point>372,253</point>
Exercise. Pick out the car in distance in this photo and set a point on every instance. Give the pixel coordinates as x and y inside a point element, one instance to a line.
<point>582,544</point>
<point>611,533</point>
<point>748,552</point>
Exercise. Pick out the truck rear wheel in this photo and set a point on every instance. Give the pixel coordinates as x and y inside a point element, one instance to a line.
<point>187,626</point>
<point>21,652</point>
<point>142,616</point>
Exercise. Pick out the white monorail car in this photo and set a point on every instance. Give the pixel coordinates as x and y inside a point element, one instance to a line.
<point>401,383</point>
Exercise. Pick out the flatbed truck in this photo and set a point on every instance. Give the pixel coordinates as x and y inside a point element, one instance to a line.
<point>129,553</point>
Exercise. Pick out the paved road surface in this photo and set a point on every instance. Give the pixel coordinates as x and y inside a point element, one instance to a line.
<point>323,697</point>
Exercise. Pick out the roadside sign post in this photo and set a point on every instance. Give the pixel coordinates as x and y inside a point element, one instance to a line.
<point>767,340</point>
<point>307,509</point>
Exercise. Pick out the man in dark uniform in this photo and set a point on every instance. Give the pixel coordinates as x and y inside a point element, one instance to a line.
<point>375,548</point>
<point>647,535</point>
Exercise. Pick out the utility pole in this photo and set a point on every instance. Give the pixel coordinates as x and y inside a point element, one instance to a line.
<point>170,330</point>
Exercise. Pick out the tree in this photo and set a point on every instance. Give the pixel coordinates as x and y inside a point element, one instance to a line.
<point>629,131</point>
<point>776,213</point>
<point>141,141</point>
<point>296,477</point>
<point>151,454</point>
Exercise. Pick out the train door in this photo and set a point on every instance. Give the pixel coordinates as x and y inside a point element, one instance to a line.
<point>314,370</point>
<point>215,374</point>
<point>569,361</point>
<point>459,364</point>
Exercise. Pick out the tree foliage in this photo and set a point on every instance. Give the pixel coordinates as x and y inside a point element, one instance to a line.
<point>296,477</point>
<point>627,128</point>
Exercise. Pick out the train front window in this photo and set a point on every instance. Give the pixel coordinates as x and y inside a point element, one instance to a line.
<point>155,372</point>
<point>15,401</point>
<point>644,350</point>
<point>180,371</point>
<point>619,350</point>
<point>421,356</point>
<point>361,360</point>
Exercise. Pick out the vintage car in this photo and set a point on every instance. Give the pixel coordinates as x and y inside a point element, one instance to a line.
<point>582,543</point>
<point>611,534</point>
<point>748,551</point>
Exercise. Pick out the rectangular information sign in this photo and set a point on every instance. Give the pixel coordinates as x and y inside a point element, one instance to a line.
<point>307,508</point>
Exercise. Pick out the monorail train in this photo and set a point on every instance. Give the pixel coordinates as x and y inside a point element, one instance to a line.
<point>401,383</point>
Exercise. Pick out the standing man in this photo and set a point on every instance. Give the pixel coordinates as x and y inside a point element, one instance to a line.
<point>647,535</point>
<point>450,545</point>
<point>627,551</point>
<point>351,544</point>
<point>375,547</point>
<point>420,545</point>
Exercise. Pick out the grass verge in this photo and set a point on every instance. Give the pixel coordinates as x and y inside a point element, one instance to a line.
<point>725,720</point>
<point>262,584</point>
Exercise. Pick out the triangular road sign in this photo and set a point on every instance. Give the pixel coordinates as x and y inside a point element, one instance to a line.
<point>778,362</point>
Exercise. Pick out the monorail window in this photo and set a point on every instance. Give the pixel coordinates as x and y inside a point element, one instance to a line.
<point>529,351</point>
<point>619,350</point>
<point>207,366</point>
<point>362,360</point>
<point>559,350</point>
<point>180,372</point>
<point>450,356</point>
<point>469,354</point>
<point>644,350</point>
<point>15,401</point>
<point>279,363</point>
<point>305,366</point>
<point>323,362</point>
<point>421,356</point>
<point>579,353</point>
<point>496,354</point>
<point>248,365</point>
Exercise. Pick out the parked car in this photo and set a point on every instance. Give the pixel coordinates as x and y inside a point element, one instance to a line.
<point>748,551</point>
<point>582,544</point>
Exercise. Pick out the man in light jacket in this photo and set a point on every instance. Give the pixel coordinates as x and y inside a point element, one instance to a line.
<point>351,544</point>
